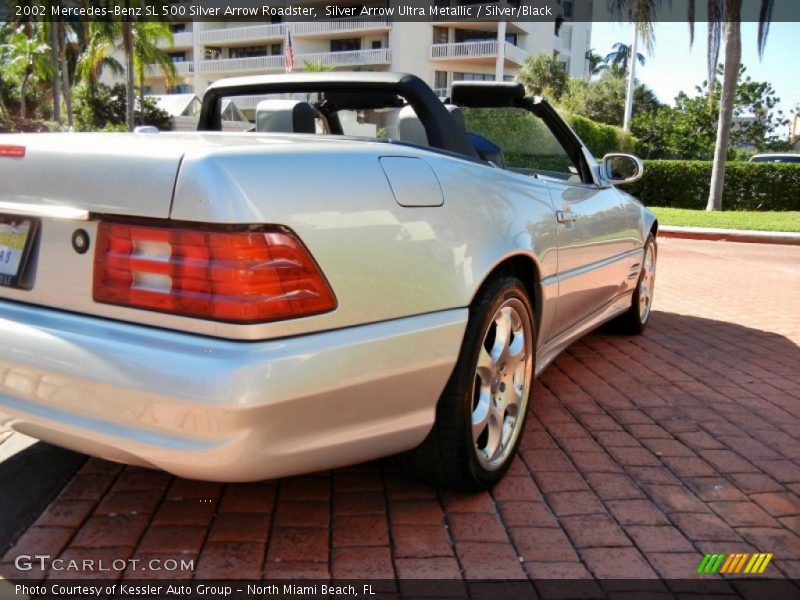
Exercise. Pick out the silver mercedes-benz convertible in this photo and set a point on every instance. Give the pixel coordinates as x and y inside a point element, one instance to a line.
<point>368,271</point>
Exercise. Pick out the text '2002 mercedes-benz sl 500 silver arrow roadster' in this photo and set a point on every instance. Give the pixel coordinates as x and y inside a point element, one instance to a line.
<point>367,271</point>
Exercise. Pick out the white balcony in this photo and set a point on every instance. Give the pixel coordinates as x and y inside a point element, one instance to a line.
<point>478,51</point>
<point>378,56</point>
<point>182,69</point>
<point>251,102</point>
<point>327,28</point>
<point>184,39</point>
<point>238,65</point>
<point>235,35</point>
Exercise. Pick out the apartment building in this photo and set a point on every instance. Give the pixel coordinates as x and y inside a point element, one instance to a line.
<point>440,52</point>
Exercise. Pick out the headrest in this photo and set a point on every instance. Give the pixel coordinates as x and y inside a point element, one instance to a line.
<point>458,115</point>
<point>410,128</point>
<point>285,116</point>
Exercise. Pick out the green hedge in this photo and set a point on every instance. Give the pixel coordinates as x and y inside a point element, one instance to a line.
<point>748,186</point>
<point>517,131</point>
<point>599,138</point>
<point>559,163</point>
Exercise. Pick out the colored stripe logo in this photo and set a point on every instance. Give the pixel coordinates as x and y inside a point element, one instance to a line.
<point>734,564</point>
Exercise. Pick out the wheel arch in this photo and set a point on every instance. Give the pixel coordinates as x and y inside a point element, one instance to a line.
<point>525,268</point>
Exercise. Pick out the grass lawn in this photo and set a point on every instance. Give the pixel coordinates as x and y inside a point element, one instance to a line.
<point>734,219</point>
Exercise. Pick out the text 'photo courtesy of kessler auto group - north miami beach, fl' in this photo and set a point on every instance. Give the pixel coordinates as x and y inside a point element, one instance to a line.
<point>399,299</point>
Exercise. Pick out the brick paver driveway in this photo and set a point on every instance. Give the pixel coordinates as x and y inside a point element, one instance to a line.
<point>641,454</point>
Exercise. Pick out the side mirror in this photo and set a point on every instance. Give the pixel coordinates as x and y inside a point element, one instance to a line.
<point>619,169</point>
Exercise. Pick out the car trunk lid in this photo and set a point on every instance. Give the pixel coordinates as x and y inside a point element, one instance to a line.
<point>118,174</point>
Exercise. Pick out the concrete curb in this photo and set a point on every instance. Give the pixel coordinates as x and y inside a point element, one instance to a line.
<point>731,235</point>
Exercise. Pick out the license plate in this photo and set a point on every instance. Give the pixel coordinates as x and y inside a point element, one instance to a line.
<point>17,235</point>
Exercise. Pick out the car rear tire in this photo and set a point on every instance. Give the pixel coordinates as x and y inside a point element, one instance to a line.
<point>634,321</point>
<point>480,416</point>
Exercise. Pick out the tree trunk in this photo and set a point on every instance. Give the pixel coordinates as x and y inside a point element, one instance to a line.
<point>67,85</point>
<point>730,80</point>
<point>127,44</point>
<point>23,91</point>
<point>626,119</point>
<point>141,98</point>
<point>56,81</point>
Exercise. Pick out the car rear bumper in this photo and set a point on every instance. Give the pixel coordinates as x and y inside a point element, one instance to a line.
<point>223,410</point>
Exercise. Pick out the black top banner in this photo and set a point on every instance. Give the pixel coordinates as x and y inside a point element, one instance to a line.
<point>389,10</point>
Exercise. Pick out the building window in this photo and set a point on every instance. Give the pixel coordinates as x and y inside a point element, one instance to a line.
<point>248,52</point>
<point>377,44</point>
<point>439,35</point>
<point>440,79</point>
<point>469,35</point>
<point>178,57</point>
<point>178,27</point>
<point>346,45</point>
<point>179,89</point>
<point>147,90</point>
<point>275,50</point>
<point>567,9</point>
<point>213,53</point>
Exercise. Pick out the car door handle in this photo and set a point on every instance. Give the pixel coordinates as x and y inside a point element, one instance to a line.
<point>565,216</point>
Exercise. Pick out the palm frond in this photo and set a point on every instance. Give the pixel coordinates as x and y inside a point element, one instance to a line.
<point>764,19</point>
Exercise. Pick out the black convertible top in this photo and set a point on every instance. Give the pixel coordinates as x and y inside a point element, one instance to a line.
<point>442,130</point>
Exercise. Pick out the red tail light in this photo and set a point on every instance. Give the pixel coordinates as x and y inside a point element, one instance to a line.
<point>236,276</point>
<point>12,151</point>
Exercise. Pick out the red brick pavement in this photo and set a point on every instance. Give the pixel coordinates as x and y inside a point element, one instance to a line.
<point>641,454</point>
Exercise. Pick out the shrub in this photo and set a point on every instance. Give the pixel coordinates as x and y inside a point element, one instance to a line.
<point>519,132</point>
<point>748,186</point>
<point>103,109</point>
<point>599,138</point>
<point>18,125</point>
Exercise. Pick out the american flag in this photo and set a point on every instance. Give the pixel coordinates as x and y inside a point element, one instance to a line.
<point>288,53</point>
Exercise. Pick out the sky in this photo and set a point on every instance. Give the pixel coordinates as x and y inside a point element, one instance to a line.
<point>674,66</point>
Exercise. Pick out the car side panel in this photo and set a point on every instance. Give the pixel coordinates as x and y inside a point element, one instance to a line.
<point>594,256</point>
<point>383,260</point>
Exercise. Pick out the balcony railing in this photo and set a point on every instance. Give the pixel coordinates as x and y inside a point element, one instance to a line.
<point>251,102</point>
<point>271,63</point>
<point>377,56</point>
<point>337,26</point>
<point>242,34</point>
<point>477,49</point>
<point>184,39</point>
<point>181,68</point>
<point>232,65</point>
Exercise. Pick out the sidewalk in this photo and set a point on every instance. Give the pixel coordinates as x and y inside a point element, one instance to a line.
<point>731,235</point>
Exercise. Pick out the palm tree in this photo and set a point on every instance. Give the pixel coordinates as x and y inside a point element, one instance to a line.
<point>140,47</point>
<point>618,59</point>
<point>724,22</point>
<point>146,52</point>
<point>727,12</point>
<point>127,49</point>
<point>595,62</point>
<point>56,83</point>
<point>26,58</point>
<point>69,36</point>
<point>97,53</point>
